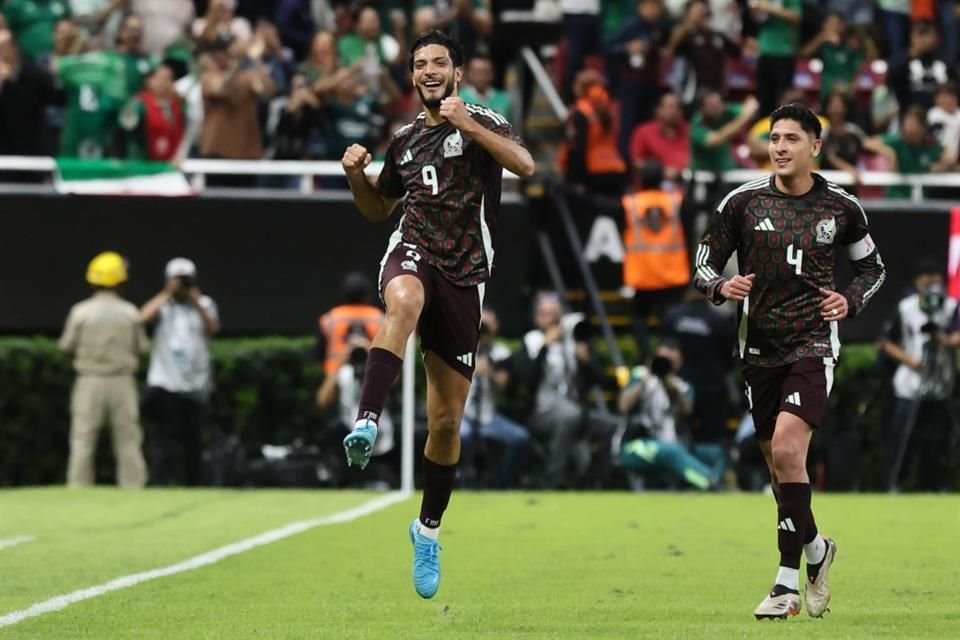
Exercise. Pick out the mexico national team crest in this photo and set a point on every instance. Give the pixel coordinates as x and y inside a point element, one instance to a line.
<point>826,230</point>
<point>453,145</point>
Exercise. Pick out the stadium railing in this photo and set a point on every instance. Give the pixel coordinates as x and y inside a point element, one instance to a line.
<point>198,169</point>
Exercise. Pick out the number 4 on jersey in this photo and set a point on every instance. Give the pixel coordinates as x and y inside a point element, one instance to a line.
<point>795,258</point>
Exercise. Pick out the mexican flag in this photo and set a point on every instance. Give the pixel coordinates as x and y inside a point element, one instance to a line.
<point>83,176</point>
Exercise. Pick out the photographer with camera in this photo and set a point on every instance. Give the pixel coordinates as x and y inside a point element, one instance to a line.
<point>652,403</point>
<point>923,338</point>
<point>560,372</point>
<point>341,387</point>
<point>491,375</point>
<point>180,378</point>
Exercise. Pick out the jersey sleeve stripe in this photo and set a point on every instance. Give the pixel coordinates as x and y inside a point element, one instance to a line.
<point>484,111</point>
<point>759,183</point>
<point>703,255</point>
<point>876,287</point>
<point>840,192</point>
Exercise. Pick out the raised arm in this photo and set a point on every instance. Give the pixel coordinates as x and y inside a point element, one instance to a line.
<point>374,206</point>
<point>509,154</point>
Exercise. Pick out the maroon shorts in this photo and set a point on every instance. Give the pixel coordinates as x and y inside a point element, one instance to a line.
<point>450,321</point>
<point>800,388</point>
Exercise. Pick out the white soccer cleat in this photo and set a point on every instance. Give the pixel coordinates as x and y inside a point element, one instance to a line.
<point>818,592</point>
<point>778,607</point>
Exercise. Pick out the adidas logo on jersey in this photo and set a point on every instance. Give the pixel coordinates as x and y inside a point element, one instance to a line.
<point>407,157</point>
<point>786,525</point>
<point>793,398</point>
<point>466,359</point>
<point>764,225</point>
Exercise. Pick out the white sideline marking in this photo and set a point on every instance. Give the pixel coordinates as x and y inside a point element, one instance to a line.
<point>210,557</point>
<point>14,541</point>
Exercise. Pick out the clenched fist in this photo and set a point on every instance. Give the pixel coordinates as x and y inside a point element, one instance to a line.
<point>738,287</point>
<point>355,159</point>
<point>454,110</point>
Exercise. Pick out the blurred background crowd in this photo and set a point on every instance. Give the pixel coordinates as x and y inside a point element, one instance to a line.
<point>685,82</point>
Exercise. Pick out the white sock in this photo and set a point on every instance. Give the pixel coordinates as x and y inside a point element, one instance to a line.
<point>429,532</point>
<point>789,578</point>
<point>815,551</point>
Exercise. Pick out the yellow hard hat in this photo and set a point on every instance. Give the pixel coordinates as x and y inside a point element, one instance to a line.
<point>108,269</point>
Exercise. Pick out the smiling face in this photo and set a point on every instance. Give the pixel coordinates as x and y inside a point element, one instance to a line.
<point>434,75</point>
<point>792,149</point>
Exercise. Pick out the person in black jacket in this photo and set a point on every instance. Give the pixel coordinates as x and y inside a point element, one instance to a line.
<point>24,90</point>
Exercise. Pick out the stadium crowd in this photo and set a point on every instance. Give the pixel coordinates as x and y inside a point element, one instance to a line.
<point>687,82</point>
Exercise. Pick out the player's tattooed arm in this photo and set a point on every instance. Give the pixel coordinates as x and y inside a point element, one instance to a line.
<point>372,204</point>
<point>510,155</point>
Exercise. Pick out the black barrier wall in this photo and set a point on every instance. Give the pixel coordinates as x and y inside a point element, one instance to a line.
<point>274,265</point>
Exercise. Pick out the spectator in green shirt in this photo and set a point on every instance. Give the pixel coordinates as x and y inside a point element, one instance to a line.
<point>479,87</point>
<point>778,41</point>
<point>840,52</point>
<point>365,40</point>
<point>96,87</point>
<point>713,127</point>
<point>32,22</point>
<point>913,151</point>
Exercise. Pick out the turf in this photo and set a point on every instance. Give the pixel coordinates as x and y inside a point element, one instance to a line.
<point>591,566</point>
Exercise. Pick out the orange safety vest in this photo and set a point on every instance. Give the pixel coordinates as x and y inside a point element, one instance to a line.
<point>601,151</point>
<point>655,247</point>
<point>336,325</point>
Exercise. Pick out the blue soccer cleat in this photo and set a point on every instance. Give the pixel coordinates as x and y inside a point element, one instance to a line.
<point>426,563</point>
<point>359,443</point>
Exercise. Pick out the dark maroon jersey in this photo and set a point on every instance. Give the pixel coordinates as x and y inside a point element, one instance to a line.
<point>790,243</point>
<point>452,188</point>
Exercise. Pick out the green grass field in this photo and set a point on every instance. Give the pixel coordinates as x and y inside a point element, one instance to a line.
<point>591,566</point>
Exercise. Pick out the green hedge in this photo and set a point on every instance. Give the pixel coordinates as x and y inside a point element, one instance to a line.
<point>265,390</point>
<point>265,393</point>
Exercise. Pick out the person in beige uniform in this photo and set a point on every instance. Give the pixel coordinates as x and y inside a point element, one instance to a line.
<point>105,337</point>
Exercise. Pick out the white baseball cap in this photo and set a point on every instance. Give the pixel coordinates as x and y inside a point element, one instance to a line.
<point>179,267</point>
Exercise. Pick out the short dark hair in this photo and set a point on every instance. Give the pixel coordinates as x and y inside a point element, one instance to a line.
<point>808,119</point>
<point>925,266</point>
<point>435,36</point>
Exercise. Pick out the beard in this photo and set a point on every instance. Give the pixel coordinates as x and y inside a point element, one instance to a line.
<point>434,103</point>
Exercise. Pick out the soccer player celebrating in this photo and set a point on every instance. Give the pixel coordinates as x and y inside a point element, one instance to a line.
<point>786,229</point>
<point>446,167</point>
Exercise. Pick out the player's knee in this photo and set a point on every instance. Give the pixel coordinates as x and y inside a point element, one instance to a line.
<point>446,425</point>
<point>787,458</point>
<point>405,305</point>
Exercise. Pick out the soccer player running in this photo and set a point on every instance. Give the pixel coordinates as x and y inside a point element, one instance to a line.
<point>445,167</point>
<point>786,229</point>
